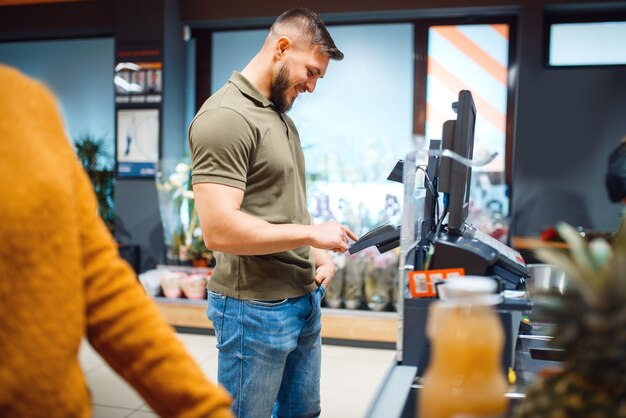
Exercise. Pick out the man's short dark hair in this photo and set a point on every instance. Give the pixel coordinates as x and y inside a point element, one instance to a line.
<point>313,27</point>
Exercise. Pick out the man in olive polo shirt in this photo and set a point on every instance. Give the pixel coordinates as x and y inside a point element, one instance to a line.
<point>250,190</point>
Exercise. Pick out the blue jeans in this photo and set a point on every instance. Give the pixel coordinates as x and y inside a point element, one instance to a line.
<point>269,354</point>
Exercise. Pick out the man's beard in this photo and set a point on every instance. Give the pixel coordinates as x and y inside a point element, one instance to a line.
<point>278,91</point>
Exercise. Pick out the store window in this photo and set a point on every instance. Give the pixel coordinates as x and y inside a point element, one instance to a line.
<point>475,58</point>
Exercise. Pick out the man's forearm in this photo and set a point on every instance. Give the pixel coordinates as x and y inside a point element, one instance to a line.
<point>244,234</point>
<point>227,229</point>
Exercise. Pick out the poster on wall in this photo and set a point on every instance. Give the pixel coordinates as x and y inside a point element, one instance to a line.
<point>138,82</point>
<point>137,147</point>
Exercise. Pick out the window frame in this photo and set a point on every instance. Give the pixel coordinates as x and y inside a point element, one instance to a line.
<point>555,18</point>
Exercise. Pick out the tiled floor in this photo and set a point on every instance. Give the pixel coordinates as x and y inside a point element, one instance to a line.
<point>350,377</point>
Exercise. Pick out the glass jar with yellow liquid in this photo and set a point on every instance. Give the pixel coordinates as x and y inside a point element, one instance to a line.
<point>464,378</point>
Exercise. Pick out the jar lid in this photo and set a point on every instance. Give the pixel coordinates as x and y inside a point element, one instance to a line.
<point>471,289</point>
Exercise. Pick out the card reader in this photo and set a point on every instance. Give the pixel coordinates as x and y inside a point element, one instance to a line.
<point>385,237</point>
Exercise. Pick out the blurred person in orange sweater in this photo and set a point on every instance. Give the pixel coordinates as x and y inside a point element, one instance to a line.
<point>61,279</point>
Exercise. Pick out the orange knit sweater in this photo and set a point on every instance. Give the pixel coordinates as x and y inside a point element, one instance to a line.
<point>61,279</point>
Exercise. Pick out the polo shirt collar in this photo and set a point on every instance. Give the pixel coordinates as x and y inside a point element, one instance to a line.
<point>245,86</point>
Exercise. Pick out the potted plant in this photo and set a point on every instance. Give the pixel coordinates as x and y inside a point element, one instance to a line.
<point>94,155</point>
<point>199,254</point>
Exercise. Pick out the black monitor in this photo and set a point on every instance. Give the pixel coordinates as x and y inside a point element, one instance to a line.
<point>454,177</point>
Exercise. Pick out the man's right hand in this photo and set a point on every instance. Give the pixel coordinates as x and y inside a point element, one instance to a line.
<point>332,236</point>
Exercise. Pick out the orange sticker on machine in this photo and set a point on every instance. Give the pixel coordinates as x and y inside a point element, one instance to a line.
<point>422,282</point>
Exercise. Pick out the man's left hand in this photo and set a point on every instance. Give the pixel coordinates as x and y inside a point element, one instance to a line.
<point>324,274</point>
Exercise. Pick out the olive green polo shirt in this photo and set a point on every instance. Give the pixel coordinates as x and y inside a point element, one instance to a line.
<point>239,140</point>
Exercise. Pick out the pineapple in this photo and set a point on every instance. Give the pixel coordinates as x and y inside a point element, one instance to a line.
<point>591,328</point>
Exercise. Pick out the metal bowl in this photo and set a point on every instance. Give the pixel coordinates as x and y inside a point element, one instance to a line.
<point>545,277</point>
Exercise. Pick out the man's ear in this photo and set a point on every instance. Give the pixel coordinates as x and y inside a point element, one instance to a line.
<point>282,46</point>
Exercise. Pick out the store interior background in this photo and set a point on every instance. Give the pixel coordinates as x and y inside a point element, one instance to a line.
<point>566,120</point>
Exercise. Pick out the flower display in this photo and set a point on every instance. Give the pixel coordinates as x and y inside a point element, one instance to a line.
<point>381,279</point>
<point>181,229</point>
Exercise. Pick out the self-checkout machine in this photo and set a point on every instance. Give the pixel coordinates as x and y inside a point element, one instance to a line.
<point>436,244</point>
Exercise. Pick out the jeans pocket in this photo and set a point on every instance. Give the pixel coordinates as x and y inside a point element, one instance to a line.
<point>266,303</point>
<point>217,296</point>
<point>215,312</point>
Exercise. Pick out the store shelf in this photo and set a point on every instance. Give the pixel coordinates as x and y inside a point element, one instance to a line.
<point>184,312</point>
<point>339,324</point>
<point>346,324</point>
<point>533,243</point>
<point>528,245</point>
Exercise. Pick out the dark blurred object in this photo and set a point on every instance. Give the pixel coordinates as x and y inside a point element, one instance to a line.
<point>590,234</point>
<point>615,180</point>
<point>130,253</point>
<point>548,354</point>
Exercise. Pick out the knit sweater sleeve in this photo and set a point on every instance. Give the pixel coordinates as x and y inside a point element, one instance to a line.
<point>125,327</point>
